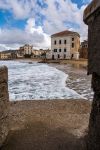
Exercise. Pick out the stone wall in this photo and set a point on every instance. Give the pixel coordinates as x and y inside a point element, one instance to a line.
<point>4,104</point>
<point>92,19</point>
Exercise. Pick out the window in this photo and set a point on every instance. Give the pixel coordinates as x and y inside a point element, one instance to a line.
<point>65,41</point>
<point>59,41</point>
<point>72,45</point>
<point>72,39</point>
<point>64,49</point>
<point>64,56</point>
<point>53,57</point>
<point>86,46</point>
<point>55,50</point>
<point>55,42</point>
<point>59,50</point>
<point>58,56</point>
<point>72,56</point>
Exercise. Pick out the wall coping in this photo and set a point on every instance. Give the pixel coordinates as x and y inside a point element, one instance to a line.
<point>90,9</point>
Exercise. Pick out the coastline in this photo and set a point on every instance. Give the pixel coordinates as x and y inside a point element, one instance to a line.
<point>77,80</point>
<point>49,124</point>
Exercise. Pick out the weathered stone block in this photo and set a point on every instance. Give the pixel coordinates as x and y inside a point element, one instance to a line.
<point>3,74</point>
<point>92,19</point>
<point>4,104</point>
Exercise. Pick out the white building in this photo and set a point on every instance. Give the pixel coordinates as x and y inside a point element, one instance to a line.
<point>65,45</point>
<point>27,49</point>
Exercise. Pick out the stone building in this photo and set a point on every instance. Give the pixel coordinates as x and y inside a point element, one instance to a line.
<point>65,45</point>
<point>84,50</point>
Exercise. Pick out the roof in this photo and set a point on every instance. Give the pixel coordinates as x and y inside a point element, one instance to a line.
<point>85,41</point>
<point>65,33</point>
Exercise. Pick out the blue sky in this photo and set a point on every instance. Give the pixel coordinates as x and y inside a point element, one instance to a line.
<point>33,21</point>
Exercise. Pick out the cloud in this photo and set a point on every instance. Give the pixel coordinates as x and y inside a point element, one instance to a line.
<point>31,35</point>
<point>68,16</point>
<point>59,15</point>
<point>20,9</point>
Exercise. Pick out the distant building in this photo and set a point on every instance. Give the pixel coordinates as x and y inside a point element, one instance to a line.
<point>36,53</point>
<point>84,50</point>
<point>25,51</point>
<point>8,54</point>
<point>20,53</point>
<point>39,53</point>
<point>65,45</point>
<point>48,54</point>
<point>5,56</point>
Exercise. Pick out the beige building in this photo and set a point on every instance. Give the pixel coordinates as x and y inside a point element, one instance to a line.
<point>25,51</point>
<point>65,45</point>
<point>39,53</point>
<point>5,56</point>
<point>35,53</point>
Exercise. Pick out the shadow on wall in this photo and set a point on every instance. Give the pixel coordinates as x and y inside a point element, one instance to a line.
<point>38,136</point>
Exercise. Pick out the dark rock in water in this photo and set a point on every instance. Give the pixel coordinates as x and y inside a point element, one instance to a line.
<point>30,62</point>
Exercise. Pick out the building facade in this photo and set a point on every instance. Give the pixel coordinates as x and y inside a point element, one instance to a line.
<point>48,54</point>
<point>65,45</point>
<point>37,53</point>
<point>5,56</point>
<point>25,51</point>
<point>84,50</point>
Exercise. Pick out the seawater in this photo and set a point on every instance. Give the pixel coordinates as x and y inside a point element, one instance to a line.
<point>36,81</point>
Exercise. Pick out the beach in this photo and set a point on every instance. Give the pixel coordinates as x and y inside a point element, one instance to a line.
<point>56,124</point>
<point>46,125</point>
<point>78,79</point>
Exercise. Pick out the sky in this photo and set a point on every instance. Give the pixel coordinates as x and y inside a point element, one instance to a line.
<point>34,21</point>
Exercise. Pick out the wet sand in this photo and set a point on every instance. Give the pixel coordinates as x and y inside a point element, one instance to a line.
<point>48,125</point>
<point>78,79</point>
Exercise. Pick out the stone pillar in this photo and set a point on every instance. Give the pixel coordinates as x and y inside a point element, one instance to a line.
<point>4,104</point>
<point>92,19</point>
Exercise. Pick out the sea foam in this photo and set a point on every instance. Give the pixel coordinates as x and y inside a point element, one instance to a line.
<point>36,81</point>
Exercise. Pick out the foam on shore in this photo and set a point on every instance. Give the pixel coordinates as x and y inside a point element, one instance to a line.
<point>37,81</point>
